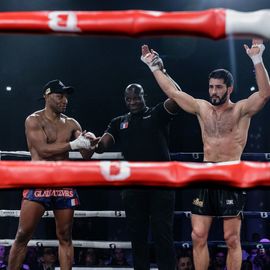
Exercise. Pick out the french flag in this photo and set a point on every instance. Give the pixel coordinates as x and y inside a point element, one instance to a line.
<point>74,202</point>
<point>124,125</point>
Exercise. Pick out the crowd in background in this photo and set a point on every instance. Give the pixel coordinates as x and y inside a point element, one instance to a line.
<point>46,258</point>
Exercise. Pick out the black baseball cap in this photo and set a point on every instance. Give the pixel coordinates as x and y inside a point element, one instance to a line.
<point>56,86</point>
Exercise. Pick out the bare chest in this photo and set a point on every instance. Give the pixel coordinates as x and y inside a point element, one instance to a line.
<point>57,132</point>
<point>219,124</point>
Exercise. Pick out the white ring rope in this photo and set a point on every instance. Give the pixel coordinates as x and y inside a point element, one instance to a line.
<point>122,214</point>
<point>76,243</point>
<point>119,156</point>
<point>72,155</point>
<point>77,214</point>
<point>117,244</point>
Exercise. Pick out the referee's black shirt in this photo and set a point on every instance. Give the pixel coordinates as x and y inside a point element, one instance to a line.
<point>143,136</point>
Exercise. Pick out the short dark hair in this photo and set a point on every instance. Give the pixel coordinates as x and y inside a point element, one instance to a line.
<point>137,88</point>
<point>222,74</point>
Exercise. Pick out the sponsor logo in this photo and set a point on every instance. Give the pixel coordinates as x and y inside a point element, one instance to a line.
<point>80,214</point>
<point>197,202</point>
<point>112,246</point>
<point>187,214</point>
<point>46,214</point>
<point>264,215</point>
<point>229,202</point>
<point>39,193</point>
<point>185,245</point>
<point>118,213</point>
<point>113,171</point>
<point>64,21</point>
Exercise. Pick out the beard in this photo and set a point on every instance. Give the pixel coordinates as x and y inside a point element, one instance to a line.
<point>219,101</point>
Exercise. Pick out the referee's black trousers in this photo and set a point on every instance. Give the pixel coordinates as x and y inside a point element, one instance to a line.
<point>154,207</point>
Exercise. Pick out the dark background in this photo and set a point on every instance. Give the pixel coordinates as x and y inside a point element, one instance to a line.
<point>100,68</point>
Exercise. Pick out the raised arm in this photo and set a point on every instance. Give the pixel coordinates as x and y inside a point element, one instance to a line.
<point>166,83</point>
<point>256,101</point>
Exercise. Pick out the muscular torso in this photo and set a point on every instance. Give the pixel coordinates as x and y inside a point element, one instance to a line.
<point>224,132</point>
<point>52,132</point>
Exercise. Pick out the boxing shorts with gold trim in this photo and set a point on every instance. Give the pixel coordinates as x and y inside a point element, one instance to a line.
<point>219,202</point>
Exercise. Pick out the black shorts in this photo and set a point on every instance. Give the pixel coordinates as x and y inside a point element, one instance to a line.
<point>219,202</point>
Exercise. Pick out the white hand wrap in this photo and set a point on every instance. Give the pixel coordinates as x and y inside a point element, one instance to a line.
<point>80,143</point>
<point>154,64</point>
<point>257,58</point>
<point>91,136</point>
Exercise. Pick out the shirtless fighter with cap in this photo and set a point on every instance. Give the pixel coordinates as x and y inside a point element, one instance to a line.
<point>224,127</point>
<point>50,136</point>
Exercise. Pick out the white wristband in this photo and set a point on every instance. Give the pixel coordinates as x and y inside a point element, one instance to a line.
<point>152,67</point>
<point>256,59</point>
<point>73,145</point>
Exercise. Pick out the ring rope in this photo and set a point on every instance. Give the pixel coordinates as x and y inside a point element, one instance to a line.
<point>121,214</point>
<point>179,156</point>
<point>211,23</point>
<point>77,214</point>
<point>241,174</point>
<point>76,243</point>
<point>122,244</point>
<point>72,155</point>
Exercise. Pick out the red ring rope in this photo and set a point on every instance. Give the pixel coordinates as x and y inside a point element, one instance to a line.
<point>212,23</point>
<point>132,23</point>
<point>17,174</point>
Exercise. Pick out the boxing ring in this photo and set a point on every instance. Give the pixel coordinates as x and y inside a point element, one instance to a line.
<point>108,170</point>
<point>117,173</point>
